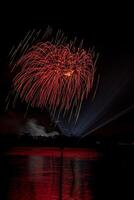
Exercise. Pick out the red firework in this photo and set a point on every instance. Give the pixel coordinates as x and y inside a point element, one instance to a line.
<point>56,76</point>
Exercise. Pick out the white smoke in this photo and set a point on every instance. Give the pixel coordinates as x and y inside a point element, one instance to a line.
<point>32,128</point>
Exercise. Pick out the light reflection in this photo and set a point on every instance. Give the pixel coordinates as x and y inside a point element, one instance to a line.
<point>45,177</point>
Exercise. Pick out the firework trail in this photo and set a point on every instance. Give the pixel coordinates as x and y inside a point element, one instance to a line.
<point>54,74</point>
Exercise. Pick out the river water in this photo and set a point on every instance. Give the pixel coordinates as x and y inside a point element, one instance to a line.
<point>31,173</point>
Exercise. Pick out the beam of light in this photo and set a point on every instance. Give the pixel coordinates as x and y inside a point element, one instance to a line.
<point>113,94</point>
<point>55,75</point>
<point>109,120</point>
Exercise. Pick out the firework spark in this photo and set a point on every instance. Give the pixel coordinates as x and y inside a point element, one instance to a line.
<point>55,75</point>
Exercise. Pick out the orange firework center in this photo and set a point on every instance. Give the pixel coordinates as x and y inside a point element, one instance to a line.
<point>68,72</point>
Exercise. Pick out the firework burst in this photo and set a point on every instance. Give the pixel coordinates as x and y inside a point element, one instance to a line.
<point>55,75</point>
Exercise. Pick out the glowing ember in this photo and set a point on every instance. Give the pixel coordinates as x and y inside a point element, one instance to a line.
<point>68,72</point>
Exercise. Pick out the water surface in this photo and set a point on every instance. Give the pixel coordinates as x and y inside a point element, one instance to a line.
<point>48,174</point>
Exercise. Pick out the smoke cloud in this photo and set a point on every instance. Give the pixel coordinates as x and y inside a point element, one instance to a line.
<point>32,128</point>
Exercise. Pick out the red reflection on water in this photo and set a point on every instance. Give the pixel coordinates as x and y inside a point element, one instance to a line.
<point>68,152</point>
<point>51,174</point>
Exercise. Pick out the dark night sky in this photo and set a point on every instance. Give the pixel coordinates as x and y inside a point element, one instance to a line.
<point>109,28</point>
